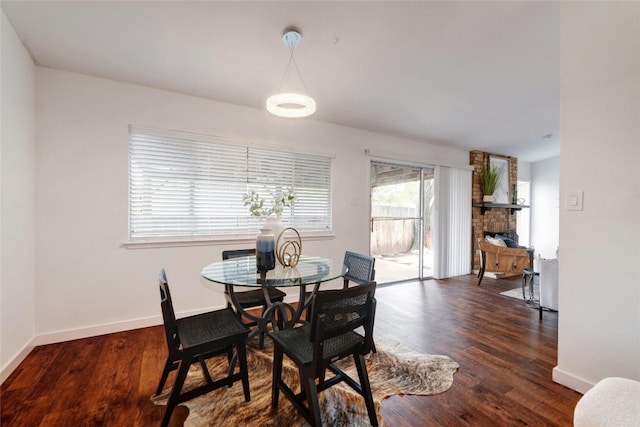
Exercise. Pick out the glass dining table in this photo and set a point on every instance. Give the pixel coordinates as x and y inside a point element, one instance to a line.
<point>242,272</point>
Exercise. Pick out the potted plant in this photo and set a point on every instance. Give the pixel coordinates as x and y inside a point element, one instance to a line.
<point>489,182</point>
<point>257,206</point>
<point>272,212</point>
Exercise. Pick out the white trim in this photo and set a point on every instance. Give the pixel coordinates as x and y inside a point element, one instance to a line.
<point>409,160</point>
<point>92,331</point>
<point>569,380</point>
<point>187,242</point>
<point>114,327</point>
<point>16,360</point>
<point>95,330</point>
<point>108,328</point>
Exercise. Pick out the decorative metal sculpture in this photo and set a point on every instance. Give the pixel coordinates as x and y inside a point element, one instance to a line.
<point>288,252</point>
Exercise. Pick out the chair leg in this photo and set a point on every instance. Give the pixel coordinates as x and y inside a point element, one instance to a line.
<point>277,373</point>
<point>366,388</point>
<point>174,398</point>
<point>168,367</point>
<point>311,390</point>
<point>322,376</point>
<point>205,370</point>
<point>241,351</point>
<point>480,275</point>
<point>232,362</point>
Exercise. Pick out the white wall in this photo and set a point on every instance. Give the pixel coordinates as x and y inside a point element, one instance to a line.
<point>599,292</point>
<point>18,201</point>
<point>86,279</point>
<point>545,210</point>
<point>524,171</point>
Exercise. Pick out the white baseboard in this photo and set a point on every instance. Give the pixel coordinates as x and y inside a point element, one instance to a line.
<point>74,334</point>
<point>569,380</point>
<point>90,331</point>
<point>16,360</point>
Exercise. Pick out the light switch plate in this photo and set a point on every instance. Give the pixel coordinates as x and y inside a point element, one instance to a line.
<point>575,200</point>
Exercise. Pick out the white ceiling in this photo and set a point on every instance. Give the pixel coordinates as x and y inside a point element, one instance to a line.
<point>471,75</point>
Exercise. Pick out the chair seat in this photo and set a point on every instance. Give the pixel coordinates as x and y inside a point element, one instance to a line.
<point>255,297</point>
<point>207,327</point>
<point>502,259</point>
<point>298,346</point>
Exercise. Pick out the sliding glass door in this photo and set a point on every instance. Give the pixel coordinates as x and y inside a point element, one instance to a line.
<point>402,201</point>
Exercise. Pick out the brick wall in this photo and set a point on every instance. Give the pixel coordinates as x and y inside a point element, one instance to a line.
<point>493,220</point>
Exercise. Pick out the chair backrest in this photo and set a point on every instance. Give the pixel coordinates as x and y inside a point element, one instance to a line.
<point>501,259</point>
<point>168,314</point>
<point>361,268</point>
<point>337,313</point>
<point>236,253</point>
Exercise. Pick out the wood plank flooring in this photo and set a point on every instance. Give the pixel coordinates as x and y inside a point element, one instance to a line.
<point>505,355</point>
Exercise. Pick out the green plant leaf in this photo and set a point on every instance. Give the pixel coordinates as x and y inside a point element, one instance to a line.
<point>489,180</point>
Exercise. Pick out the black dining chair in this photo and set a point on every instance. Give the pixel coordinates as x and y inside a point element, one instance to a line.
<point>195,339</point>
<point>361,269</point>
<point>254,297</point>
<point>341,326</point>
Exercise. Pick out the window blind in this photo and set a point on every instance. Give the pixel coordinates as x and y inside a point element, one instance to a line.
<point>452,223</point>
<point>183,184</point>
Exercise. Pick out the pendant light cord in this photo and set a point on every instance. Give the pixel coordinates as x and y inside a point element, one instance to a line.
<point>287,72</point>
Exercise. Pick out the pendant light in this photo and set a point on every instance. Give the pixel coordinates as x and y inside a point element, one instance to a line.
<point>291,104</point>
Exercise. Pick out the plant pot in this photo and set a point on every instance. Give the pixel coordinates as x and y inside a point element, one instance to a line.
<point>487,198</point>
<point>275,224</point>
<point>265,251</point>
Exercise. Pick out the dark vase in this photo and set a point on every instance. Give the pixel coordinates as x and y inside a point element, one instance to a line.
<point>265,251</point>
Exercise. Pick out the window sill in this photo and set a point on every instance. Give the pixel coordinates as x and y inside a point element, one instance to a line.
<point>210,241</point>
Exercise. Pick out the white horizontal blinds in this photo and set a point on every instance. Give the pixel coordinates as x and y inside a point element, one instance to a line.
<point>192,185</point>
<point>180,186</point>
<point>313,187</point>
<point>269,172</point>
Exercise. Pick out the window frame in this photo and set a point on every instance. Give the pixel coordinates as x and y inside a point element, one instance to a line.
<point>287,168</point>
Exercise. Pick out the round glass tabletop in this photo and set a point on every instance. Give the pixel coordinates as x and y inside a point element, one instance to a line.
<point>242,272</point>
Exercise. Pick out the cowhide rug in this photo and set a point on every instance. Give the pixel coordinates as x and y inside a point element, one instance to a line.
<point>392,371</point>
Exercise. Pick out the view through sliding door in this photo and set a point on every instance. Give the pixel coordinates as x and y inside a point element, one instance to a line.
<point>401,221</point>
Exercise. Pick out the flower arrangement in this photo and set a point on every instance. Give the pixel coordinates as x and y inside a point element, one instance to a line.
<point>257,206</point>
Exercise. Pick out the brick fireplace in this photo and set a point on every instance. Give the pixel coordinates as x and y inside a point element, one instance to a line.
<point>494,219</point>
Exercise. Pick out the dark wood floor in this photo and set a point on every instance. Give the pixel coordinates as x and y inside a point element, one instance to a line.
<point>505,355</point>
